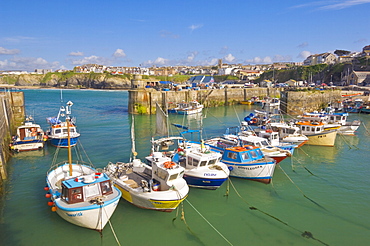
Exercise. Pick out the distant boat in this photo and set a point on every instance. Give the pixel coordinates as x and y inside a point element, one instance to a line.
<point>186,108</point>
<point>58,130</point>
<point>80,194</point>
<point>29,136</point>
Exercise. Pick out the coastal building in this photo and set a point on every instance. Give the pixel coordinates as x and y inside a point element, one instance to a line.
<point>324,58</point>
<point>359,78</point>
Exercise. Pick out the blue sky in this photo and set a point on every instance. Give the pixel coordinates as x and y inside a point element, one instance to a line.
<point>65,34</point>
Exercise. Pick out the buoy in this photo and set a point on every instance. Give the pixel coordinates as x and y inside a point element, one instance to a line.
<point>50,203</point>
<point>47,195</point>
<point>53,208</point>
<point>46,188</point>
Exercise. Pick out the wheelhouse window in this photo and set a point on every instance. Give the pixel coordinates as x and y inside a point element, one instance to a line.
<point>92,190</point>
<point>231,155</point>
<point>253,154</point>
<point>58,131</point>
<point>203,163</point>
<point>72,195</point>
<point>212,161</point>
<point>173,177</point>
<point>106,188</point>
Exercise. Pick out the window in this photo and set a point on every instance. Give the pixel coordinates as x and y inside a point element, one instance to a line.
<point>58,131</point>
<point>231,155</point>
<point>92,190</point>
<point>173,177</point>
<point>203,163</point>
<point>212,161</point>
<point>75,195</point>
<point>106,188</point>
<point>253,154</point>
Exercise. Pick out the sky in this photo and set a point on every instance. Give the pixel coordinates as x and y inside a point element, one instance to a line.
<point>64,34</point>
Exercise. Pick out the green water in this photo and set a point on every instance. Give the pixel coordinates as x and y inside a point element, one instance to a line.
<point>321,190</point>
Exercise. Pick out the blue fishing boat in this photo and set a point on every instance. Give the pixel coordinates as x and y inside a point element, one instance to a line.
<point>59,129</point>
<point>245,161</point>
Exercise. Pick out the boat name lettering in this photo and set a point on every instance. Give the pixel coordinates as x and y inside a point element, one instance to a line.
<point>251,168</point>
<point>210,174</point>
<point>75,215</point>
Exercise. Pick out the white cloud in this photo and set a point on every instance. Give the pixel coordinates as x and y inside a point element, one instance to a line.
<point>160,61</point>
<point>91,60</point>
<point>27,64</point>
<point>302,45</point>
<point>345,4</point>
<point>119,53</point>
<point>194,27</point>
<point>304,54</point>
<point>281,58</point>
<point>167,34</point>
<point>78,53</point>
<point>229,58</point>
<point>191,56</point>
<point>4,51</point>
<point>325,5</point>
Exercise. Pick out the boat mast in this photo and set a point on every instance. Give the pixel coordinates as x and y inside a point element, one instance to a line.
<point>68,112</point>
<point>69,147</point>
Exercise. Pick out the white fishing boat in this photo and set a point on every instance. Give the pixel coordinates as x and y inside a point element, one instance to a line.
<point>59,129</point>
<point>329,117</point>
<point>203,167</point>
<point>186,108</point>
<point>29,136</point>
<point>80,194</point>
<point>317,134</point>
<point>159,186</point>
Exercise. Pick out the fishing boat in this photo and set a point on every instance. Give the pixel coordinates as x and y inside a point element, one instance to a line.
<point>203,167</point>
<point>288,133</point>
<point>329,117</point>
<point>250,138</point>
<point>245,161</point>
<point>59,129</point>
<point>159,186</point>
<point>317,134</point>
<point>186,108</point>
<point>79,193</point>
<point>29,136</point>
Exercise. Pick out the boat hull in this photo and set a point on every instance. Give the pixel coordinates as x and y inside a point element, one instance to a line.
<point>326,138</point>
<point>63,142</point>
<point>262,171</point>
<point>27,145</point>
<point>164,201</point>
<point>93,217</point>
<point>190,111</point>
<point>205,183</point>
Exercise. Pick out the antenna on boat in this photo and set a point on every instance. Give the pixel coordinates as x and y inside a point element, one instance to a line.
<point>69,148</point>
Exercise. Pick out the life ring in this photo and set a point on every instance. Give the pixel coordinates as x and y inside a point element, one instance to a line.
<point>268,130</point>
<point>169,164</point>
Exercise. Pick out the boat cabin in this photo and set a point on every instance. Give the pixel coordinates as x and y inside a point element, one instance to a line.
<point>28,132</point>
<point>86,188</point>
<point>198,157</point>
<point>243,154</point>
<point>309,128</point>
<point>164,170</point>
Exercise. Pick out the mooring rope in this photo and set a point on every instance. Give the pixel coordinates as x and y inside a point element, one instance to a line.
<point>365,128</point>
<point>300,189</point>
<point>219,233</point>
<point>349,145</point>
<point>111,227</point>
<point>305,234</point>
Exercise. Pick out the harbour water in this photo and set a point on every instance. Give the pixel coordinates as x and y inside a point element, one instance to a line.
<point>323,191</point>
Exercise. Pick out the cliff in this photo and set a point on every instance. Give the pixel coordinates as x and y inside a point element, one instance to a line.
<point>70,80</point>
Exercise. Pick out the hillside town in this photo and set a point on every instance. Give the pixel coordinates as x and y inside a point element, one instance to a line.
<point>352,74</point>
